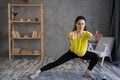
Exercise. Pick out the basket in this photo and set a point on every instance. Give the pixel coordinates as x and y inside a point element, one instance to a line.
<point>26,52</point>
<point>15,50</point>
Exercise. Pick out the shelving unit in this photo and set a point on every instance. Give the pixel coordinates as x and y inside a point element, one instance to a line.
<point>14,35</point>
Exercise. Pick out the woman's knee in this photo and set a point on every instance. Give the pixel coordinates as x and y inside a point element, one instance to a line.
<point>96,57</point>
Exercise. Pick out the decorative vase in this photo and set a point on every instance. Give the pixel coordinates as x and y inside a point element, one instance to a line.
<point>25,1</point>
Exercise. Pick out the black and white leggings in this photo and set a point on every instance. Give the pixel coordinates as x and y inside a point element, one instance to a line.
<point>70,55</point>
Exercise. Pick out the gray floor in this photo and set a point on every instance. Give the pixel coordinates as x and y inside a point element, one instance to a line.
<point>20,68</point>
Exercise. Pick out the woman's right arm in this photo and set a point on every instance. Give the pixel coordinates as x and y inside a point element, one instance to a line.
<point>71,36</point>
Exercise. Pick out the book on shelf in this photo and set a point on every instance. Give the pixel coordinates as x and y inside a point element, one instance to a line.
<point>15,34</point>
<point>39,34</point>
<point>36,34</point>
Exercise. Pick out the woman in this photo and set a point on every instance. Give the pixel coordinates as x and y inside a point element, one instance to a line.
<point>78,48</point>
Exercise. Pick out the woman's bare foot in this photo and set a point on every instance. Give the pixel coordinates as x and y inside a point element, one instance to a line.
<point>87,74</point>
<point>38,71</point>
<point>35,75</point>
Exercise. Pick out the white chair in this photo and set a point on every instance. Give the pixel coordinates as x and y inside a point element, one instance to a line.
<point>103,48</point>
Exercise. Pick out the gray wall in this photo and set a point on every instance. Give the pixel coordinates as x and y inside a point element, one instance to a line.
<point>59,16</point>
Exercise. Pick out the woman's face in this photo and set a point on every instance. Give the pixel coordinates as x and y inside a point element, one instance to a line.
<point>80,25</point>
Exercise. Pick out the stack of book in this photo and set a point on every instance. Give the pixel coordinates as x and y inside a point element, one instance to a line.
<point>15,34</point>
<point>36,34</point>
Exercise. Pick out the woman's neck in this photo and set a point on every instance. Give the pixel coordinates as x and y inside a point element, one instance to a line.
<point>79,31</point>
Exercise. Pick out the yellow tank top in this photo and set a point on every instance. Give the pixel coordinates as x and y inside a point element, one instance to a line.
<point>79,44</point>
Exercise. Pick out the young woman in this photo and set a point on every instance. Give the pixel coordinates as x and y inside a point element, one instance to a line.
<point>78,48</point>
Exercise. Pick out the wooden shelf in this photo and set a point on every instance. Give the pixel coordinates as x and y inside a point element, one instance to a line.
<point>14,27</point>
<point>25,22</point>
<point>25,54</point>
<point>26,5</point>
<point>26,38</point>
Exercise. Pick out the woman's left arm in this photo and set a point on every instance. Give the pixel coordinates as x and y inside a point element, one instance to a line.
<point>96,37</point>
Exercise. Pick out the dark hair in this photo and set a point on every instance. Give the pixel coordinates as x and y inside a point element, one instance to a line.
<point>77,19</point>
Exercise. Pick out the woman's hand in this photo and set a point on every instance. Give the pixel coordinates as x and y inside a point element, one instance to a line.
<point>72,36</point>
<point>98,36</point>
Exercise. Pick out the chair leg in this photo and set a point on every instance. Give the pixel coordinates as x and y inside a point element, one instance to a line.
<point>110,58</point>
<point>102,61</point>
